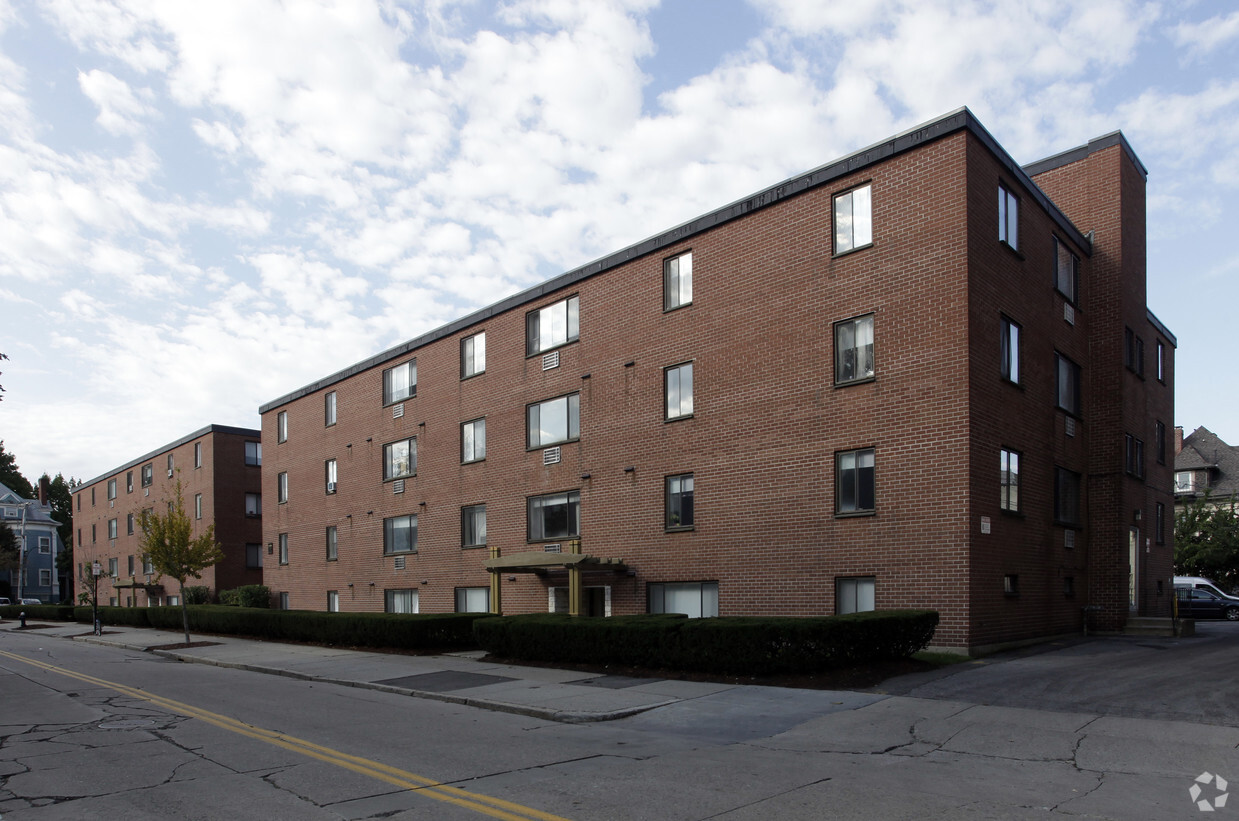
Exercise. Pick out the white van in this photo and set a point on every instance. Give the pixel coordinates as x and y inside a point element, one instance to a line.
<point>1202,583</point>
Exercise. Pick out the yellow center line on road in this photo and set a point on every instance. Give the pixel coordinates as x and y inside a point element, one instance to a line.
<point>429,787</point>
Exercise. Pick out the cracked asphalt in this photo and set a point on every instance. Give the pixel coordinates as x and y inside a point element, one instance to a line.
<point>1106,728</point>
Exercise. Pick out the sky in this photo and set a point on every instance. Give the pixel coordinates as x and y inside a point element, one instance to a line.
<point>207,205</point>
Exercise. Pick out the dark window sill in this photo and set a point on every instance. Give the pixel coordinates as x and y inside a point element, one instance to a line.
<point>678,418</point>
<point>680,529</point>
<point>861,381</point>
<point>855,514</point>
<point>1011,248</point>
<point>838,254</point>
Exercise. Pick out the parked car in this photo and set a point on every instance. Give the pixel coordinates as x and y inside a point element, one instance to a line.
<point>1202,583</point>
<point>29,601</point>
<point>1198,603</point>
<point>4,600</point>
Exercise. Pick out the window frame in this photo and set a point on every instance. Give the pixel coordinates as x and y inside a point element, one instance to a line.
<point>389,600</point>
<point>129,522</point>
<point>854,325</point>
<point>674,503</point>
<point>281,427</point>
<point>1159,523</point>
<point>676,373</point>
<point>572,501</point>
<point>113,528</point>
<point>1063,253</point>
<point>859,584</point>
<point>329,409</point>
<point>148,474</point>
<point>1161,361</point>
<point>282,548</point>
<point>1074,381</point>
<point>674,291</point>
<point>197,505</point>
<point>111,490</point>
<point>1133,352</point>
<point>128,487</point>
<point>281,488</point>
<point>1008,217</point>
<point>708,591</point>
<point>1133,456</point>
<point>468,526</point>
<point>390,548</point>
<point>253,549</point>
<point>1008,480</point>
<point>857,482</point>
<point>1066,490</point>
<point>331,477</point>
<point>198,455</point>
<point>332,537</point>
<point>469,455</point>
<point>473,355</point>
<point>256,511</point>
<point>462,593</point>
<point>333,601</point>
<point>1159,440</point>
<point>846,239</point>
<point>253,455</point>
<point>572,421</point>
<point>1009,351</point>
<point>572,325</point>
<point>389,394</point>
<point>389,474</point>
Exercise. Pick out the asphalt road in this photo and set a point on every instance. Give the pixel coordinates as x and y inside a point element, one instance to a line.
<point>1111,728</point>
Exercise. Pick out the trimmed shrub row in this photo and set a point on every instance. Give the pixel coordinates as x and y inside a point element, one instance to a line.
<point>732,645</point>
<point>397,631</point>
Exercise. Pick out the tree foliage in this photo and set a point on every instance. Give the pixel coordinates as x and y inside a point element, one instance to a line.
<point>60,497</point>
<point>11,477</point>
<point>8,547</point>
<point>1206,541</point>
<point>168,542</point>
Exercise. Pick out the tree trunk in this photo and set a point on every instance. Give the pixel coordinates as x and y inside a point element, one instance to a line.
<point>185,614</point>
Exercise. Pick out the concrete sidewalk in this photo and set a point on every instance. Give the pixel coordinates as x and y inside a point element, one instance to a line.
<point>568,696</point>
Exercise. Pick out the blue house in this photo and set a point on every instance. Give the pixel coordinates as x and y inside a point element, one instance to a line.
<point>31,521</point>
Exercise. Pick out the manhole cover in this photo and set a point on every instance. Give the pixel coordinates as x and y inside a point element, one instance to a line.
<point>126,724</point>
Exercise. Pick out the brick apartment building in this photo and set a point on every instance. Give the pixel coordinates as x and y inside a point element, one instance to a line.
<point>220,471</point>
<point>918,376</point>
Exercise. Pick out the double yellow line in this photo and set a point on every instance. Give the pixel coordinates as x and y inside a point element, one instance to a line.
<point>428,787</point>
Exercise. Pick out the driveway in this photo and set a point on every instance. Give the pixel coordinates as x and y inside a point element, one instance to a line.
<point>1192,679</point>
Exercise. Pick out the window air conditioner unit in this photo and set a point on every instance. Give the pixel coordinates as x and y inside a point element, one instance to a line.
<point>331,487</point>
<point>169,473</point>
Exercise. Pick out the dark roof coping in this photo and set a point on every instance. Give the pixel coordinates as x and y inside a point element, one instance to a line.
<point>961,119</point>
<point>1161,329</point>
<point>170,446</point>
<point>1092,147</point>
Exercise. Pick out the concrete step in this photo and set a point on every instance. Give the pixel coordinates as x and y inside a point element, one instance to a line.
<point>1158,626</point>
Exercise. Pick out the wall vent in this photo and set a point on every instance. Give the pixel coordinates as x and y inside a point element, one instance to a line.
<point>397,486</point>
<point>1069,313</point>
<point>400,562</point>
<point>552,548</point>
<point>397,411</point>
<point>550,360</point>
<point>1071,425</point>
<point>1069,539</point>
<point>551,456</point>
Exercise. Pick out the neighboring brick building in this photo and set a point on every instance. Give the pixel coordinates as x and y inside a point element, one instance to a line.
<point>897,380</point>
<point>220,471</point>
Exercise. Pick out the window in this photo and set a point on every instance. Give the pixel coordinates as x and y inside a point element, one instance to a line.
<point>329,475</point>
<point>148,475</point>
<point>329,409</point>
<point>1011,584</point>
<point>1009,347</point>
<point>552,326</point>
<point>1069,586</point>
<point>472,355</point>
<point>678,382</point>
<point>1068,393</point>
<point>473,600</point>
<point>281,426</point>
<point>1009,481</point>
<point>45,577</point>
<point>554,516</point>
<point>1159,523</point>
<point>400,382</point>
<point>399,601</point>
<point>114,567</point>
<point>400,459</point>
<point>1066,271</point>
<point>855,595</point>
<point>253,504</point>
<point>473,526</point>
<point>400,535</point>
<point>131,565</point>
<point>1184,481</point>
<point>198,455</point>
<point>1133,456</point>
<point>695,599</point>
<point>111,528</point>
<point>283,599</point>
<point>333,552</point>
<point>128,525</point>
<point>197,505</point>
<point>281,488</point>
<point>473,441</point>
<point>253,454</point>
<point>92,497</point>
<point>45,544</point>
<point>1161,361</point>
<point>1159,442</point>
<point>679,502</point>
<point>1133,352</point>
<point>283,548</point>
<point>854,349</point>
<point>128,487</point>
<point>148,566</point>
<point>1008,218</point>
<point>854,485</point>
<point>94,533</point>
<point>111,489</point>
<point>333,601</point>
<point>853,219</point>
<point>253,555</point>
<point>170,464</point>
<point>678,281</point>
<point>555,420</point>
<point>1066,497</point>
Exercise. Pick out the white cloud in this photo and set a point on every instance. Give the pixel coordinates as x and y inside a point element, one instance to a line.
<point>120,110</point>
<point>1208,35</point>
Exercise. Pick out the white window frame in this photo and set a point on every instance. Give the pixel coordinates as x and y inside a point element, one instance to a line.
<point>678,281</point>
<point>853,219</point>
<point>473,441</point>
<point>45,544</point>
<point>330,477</point>
<point>111,489</point>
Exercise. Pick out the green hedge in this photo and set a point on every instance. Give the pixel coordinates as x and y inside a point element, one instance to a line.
<point>45,612</point>
<point>735,645</point>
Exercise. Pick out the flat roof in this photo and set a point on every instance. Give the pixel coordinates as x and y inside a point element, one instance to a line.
<point>183,440</point>
<point>961,119</point>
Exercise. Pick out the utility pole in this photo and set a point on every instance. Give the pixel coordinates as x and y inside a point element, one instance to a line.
<point>21,551</point>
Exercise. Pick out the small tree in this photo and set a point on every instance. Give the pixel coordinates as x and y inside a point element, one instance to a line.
<point>172,549</point>
<point>1206,541</point>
